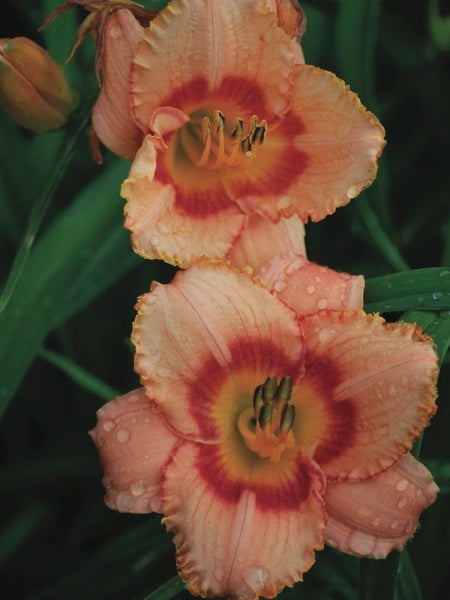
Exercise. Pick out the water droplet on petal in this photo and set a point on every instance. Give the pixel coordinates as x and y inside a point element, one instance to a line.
<point>162,228</point>
<point>323,303</point>
<point>255,577</point>
<point>124,502</point>
<point>376,522</point>
<point>332,543</point>
<point>394,524</point>
<point>363,511</point>
<point>180,242</point>
<point>436,295</point>
<point>310,289</point>
<point>115,33</point>
<point>123,435</point>
<point>137,488</point>
<point>108,425</point>
<point>294,267</point>
<point>218,573</point>
<point>392,390</point>
<point>402,485</point>
<point>402,502</point>
<point>279,285</point>
<point>151,299</point>
<point>107,481</point>
<point>154,240</point>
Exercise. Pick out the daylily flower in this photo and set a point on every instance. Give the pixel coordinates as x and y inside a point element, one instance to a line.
<point>262,432</point>
<point>234,126</point>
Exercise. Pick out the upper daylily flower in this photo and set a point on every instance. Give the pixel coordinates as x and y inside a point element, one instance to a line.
<point>233,126</point>
<point>262,431</point>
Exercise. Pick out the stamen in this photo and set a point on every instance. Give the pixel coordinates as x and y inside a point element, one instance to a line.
<point>206,132</point>
<point>238,130</point>
<point>267,429</point>
<point>220,125</point>
<point>259,134</point>
<point>246,146</point>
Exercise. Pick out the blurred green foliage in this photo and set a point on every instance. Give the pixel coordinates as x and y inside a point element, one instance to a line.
<point>64,332</point>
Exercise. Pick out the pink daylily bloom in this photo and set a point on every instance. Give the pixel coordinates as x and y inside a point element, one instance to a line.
<point>235,128</point>
<point>264,431</point>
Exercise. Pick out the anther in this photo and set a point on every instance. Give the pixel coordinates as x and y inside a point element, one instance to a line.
<point>252,126</point>
<point>260,133</point>
<point>265,415</point>
<point>284,390</point>
<point>246,146</point>
<point>269,390</point>
<point>206,128</point>
<point>287,418</point>
<point>258,401</point>
<point>238,130</point>
<point>219,119</point>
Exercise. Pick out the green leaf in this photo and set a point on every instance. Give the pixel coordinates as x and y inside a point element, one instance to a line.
<point>420,289</point>
<point>377,579</point>
<point>407,583</point>
<point>79,375</point>
<point>86,246</point>
<point>168,590</point>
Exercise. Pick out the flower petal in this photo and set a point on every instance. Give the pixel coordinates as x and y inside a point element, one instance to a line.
<point>111,115</point>
<point>161,229</point>
<point>373,517</point>
<point>237,539</point>
<point>340,143</point>
<point>309,288</point>
<point>134,443</point>
<point>368,392</point>
<point>292,19</point>
<point>206,340</point>
<point>261,240</point>
<point>214,41</point>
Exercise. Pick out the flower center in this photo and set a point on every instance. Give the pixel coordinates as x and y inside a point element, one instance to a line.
<point>267,427</point>
<point>213,144</point>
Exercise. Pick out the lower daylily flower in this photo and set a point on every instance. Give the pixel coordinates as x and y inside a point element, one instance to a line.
<point>262,432</point>
<point>233,126</point>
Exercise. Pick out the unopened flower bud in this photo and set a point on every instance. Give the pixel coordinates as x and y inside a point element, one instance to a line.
<point>33,89</point>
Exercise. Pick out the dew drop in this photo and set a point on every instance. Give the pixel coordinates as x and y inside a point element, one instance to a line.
<point>137,488</point>
<point>362,546</point>
<point>376,522</point>
<point>322,303</point>
<point>255,577</point>
<point>154,240</point>
<point>218,573</point>
<point>363,511</point>
<point>162,228</point>
<point>115,33</point>
<point>151,299</point>
<point>419,493</point>
<point>402,485</point>
<point>402,502</point>
<point>331,543</point>
<point>279,285</point>
<point>156,356</point>
<point>123,435</point>
<point>107,481</point>
<point>394,524</point>
<point>146,456</point>
<point>310,289</point>
<point>436,295</point>
<point>294,267</point>
<point>124,502</point>
<point>108,425</point>
<point>392,390</point>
